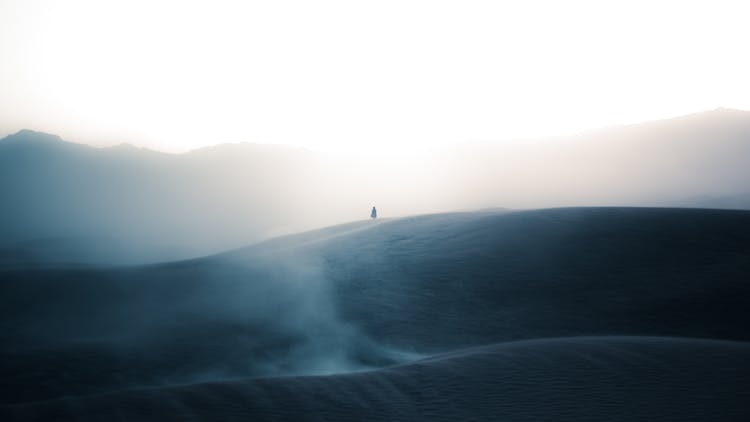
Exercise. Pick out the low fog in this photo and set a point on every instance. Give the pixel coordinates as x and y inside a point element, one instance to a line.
<point>69,202</point>
<point>265,312</point>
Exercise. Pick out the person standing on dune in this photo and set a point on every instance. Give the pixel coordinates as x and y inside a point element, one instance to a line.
<point>374,213</point>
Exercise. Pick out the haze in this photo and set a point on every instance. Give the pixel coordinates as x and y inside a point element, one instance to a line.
<point>382,210</point>
<point>68,201</point>
<point>375,77</point>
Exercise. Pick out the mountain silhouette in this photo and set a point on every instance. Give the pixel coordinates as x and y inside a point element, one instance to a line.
<point>147,206</point>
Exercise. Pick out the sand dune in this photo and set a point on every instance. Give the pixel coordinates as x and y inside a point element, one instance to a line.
<point>370,295</point>
<point>576,379</point>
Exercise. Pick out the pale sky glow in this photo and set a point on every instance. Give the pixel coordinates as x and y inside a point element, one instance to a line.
<point>351,75</point>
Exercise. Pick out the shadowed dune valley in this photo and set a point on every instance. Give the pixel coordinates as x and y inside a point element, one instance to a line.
<point>381,211</point>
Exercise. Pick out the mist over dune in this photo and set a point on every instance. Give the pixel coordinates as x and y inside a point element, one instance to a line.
<point>67,202</point>
<point>368,295</point>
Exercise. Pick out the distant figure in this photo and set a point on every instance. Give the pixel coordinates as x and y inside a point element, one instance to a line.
<point>374,213</point>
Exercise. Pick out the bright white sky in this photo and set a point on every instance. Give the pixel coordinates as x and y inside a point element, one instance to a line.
<point>356,75</point>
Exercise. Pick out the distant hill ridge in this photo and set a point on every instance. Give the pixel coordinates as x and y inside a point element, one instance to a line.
<point>719,115</point>
<point>159,206</point>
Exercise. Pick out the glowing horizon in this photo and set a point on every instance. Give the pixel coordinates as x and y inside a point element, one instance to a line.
<point>175,76</point>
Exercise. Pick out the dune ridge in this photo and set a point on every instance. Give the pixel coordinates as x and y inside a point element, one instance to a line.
<point>356,319</point>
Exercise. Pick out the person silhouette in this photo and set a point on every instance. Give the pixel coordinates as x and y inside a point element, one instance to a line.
<point>374,213</point>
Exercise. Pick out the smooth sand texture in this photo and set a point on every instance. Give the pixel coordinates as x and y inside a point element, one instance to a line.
<point>103,342</point>
<point>574,378</point>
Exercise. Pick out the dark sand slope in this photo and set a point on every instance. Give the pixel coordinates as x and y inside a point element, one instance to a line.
<point>369,295</point>
<point>442,281</point>
<point>565,379</point>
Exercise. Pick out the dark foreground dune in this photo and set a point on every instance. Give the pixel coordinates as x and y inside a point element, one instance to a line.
<point>563,379</point>
<point>370,295</point>
<point>445,281</point>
